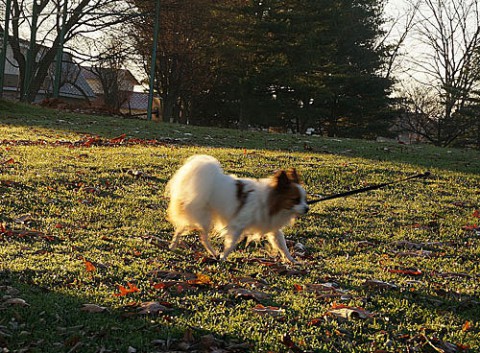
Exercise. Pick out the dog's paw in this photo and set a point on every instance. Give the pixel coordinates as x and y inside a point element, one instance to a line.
<point>292,261</point>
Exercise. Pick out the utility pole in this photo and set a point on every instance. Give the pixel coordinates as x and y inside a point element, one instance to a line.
<point>59,58</point>
<point>154,59</point>
<point>3,55</point>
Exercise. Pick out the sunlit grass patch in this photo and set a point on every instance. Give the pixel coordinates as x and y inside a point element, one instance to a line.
<point>79,223</point>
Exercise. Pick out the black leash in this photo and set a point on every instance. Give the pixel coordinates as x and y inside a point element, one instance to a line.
<point>367,188</point>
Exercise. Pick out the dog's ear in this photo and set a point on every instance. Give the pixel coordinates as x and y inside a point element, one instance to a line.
<point>293,176</point>
<point>280,180</point>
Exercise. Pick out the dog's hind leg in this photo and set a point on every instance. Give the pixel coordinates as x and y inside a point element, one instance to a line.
<point>277,240</point>
<point>232,238</point>
<point>176,237</point>
<point>205,239</point>
<point>205,226</point>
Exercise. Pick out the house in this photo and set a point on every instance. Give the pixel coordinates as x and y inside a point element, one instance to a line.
<point>81,87</point>
<point>74,88</point>
<point>130,101</point>
<point>138,103</point>
<point>121,84</point>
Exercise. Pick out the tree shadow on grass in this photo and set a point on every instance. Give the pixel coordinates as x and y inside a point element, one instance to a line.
<point>34,318</point>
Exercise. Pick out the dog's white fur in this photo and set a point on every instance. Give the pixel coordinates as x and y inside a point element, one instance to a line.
<point>202,197</point>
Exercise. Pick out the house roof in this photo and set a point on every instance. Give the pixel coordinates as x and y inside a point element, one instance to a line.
<point>79,89</point>
<point>137,101</point>
<point>91,75</point>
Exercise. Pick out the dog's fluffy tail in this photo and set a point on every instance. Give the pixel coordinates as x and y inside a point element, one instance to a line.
<point>190,186</point>
<point>191,173</point>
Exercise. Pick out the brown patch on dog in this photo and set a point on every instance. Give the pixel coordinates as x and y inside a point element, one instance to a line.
<point>293,176</point>
<point>285,194</point>
<point>241,195</point>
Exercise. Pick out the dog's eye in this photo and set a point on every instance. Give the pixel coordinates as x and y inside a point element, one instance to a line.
<point>297,200</point>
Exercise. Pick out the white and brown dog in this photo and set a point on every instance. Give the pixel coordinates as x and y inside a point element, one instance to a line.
<point>202,197</point>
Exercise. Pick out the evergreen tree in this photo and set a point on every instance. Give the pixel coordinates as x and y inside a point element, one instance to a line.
<point>294,63</point>
<point>307,62</point>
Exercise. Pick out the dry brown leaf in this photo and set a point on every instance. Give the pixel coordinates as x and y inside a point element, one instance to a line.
<point>253,282</point>
<point>249,294</point>
<point>147,308</point>
<point>325,290</point>
<point>374,283</point>
<point>417,253</point>
<point>349,312</point>
<point>16,301</point>
<point>23,219</point>
<point>267,310</point>
<point>10,291</point>
<point>93,308</point>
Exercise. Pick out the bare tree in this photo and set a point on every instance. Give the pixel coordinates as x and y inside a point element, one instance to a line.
<point>422,116</point>
<point>397,30</point>
<point>447,68</point>
<point>182,67</point>
<point>46,24</point>
<point>109,68</point>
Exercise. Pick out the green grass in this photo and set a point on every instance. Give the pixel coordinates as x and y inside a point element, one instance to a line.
<point>63,203</point>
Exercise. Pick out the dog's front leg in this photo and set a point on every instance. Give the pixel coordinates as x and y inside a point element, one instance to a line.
<point>277,240</point>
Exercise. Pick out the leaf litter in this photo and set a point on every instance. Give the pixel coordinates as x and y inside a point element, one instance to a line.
<point>255,288</point>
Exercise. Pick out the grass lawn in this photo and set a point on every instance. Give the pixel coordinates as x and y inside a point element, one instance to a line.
<point>85,265</point>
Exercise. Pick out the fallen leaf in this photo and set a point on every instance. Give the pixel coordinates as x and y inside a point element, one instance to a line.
<point>89,266</point>
<point>373,283</point>
<point>16,301</point>
<point>10,291</point>
<point>406,271</point>
<point>135,173</point>
<point>118,139</point>
<point>315,322</point>
<point>161,285</point>
<point>417,253</point>
<point>288,342</point>
<point>324,290</point>
<point>124,291</point>
<point>147,308</point>
<point>181,287</point>
<point>474,227</point>
<point>23,219</point>
<point>466,326</point>
<point>349,312</point>
<point>8,161</point>
<point>451,274</point>
<point>91,190</point>
<point>201,280</point>
<point>253,282</point>
<point>438,345</point>
<point>249,294</point>
<point>93,308</point>
<point>267,310</point>
<point>417,246</point>
<point>298,287</point>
